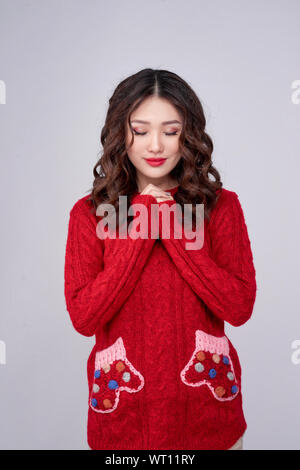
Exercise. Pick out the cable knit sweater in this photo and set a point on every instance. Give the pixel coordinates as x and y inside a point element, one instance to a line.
<point>162,374</point>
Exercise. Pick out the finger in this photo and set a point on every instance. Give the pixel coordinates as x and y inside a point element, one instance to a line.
<point>155,192</point>
<point>152,188</point>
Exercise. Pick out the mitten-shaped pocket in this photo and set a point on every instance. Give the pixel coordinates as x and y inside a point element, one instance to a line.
<point>211,365</point>
<point>113,373</point>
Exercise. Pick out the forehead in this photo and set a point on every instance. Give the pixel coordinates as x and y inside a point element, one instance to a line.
<point>156,110</point>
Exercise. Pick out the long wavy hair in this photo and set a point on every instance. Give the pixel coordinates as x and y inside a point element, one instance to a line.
<point>117,175</point>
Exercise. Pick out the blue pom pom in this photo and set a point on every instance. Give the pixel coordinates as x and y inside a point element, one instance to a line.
<point>94,402</point>
<point>234,389</point>
<point>225,360</point>
<point>113,384</point>
<point>212,373</point>
<point>97,374</point>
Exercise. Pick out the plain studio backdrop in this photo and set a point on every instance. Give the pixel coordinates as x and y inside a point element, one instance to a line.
<point>59,64</point>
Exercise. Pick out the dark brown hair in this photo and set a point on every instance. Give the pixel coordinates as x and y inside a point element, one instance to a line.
<point>117,175</point>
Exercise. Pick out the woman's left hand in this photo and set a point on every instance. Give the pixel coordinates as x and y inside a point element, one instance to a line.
<point>159,194</point>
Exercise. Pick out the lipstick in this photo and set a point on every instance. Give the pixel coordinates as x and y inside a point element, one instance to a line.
<point>155,161</point>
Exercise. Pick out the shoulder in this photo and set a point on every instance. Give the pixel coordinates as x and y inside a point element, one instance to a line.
<point>84,208</point>
<point>225,198</point>
<point>227,203</point>
<point>84,204</point>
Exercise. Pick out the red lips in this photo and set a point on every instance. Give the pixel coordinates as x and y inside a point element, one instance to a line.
<point>155,161</point>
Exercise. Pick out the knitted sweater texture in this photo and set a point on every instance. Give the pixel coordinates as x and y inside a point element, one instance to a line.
<point>162,374</point>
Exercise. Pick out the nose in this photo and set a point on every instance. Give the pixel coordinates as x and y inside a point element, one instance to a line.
<point>155,144</point>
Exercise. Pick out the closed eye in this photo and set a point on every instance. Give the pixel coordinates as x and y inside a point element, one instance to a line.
<point>144,133</point>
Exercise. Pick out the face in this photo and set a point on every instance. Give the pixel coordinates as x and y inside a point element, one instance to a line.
<point>155,151</point>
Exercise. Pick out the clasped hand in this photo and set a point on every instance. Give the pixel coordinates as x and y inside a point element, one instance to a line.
<point>159,194</point>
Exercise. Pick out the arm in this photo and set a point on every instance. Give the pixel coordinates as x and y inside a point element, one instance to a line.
<point>98,280</point>
<point>224,281</point>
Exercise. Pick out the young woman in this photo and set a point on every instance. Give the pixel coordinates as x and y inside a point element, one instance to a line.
<point>162,373</point>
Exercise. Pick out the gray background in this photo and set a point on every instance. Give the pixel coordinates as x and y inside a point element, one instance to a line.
<point>60,61</point>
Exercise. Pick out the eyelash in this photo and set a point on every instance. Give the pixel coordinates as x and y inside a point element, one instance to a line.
<point>143,133</point>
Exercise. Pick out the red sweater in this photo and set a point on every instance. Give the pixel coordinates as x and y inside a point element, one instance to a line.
<point>162,374</point>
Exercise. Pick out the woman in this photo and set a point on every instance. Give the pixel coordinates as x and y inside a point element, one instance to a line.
<point>162,373</point>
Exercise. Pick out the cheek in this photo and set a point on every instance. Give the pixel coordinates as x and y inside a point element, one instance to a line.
<point>173,147</point>
<point>134,153</point>
<point>136,149</point>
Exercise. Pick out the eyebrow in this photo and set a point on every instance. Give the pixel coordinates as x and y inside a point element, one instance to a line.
<point>164,123</point>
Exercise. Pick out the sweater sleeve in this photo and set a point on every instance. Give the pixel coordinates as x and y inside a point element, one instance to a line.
<point>225,281</point>
<point>100,275</point>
